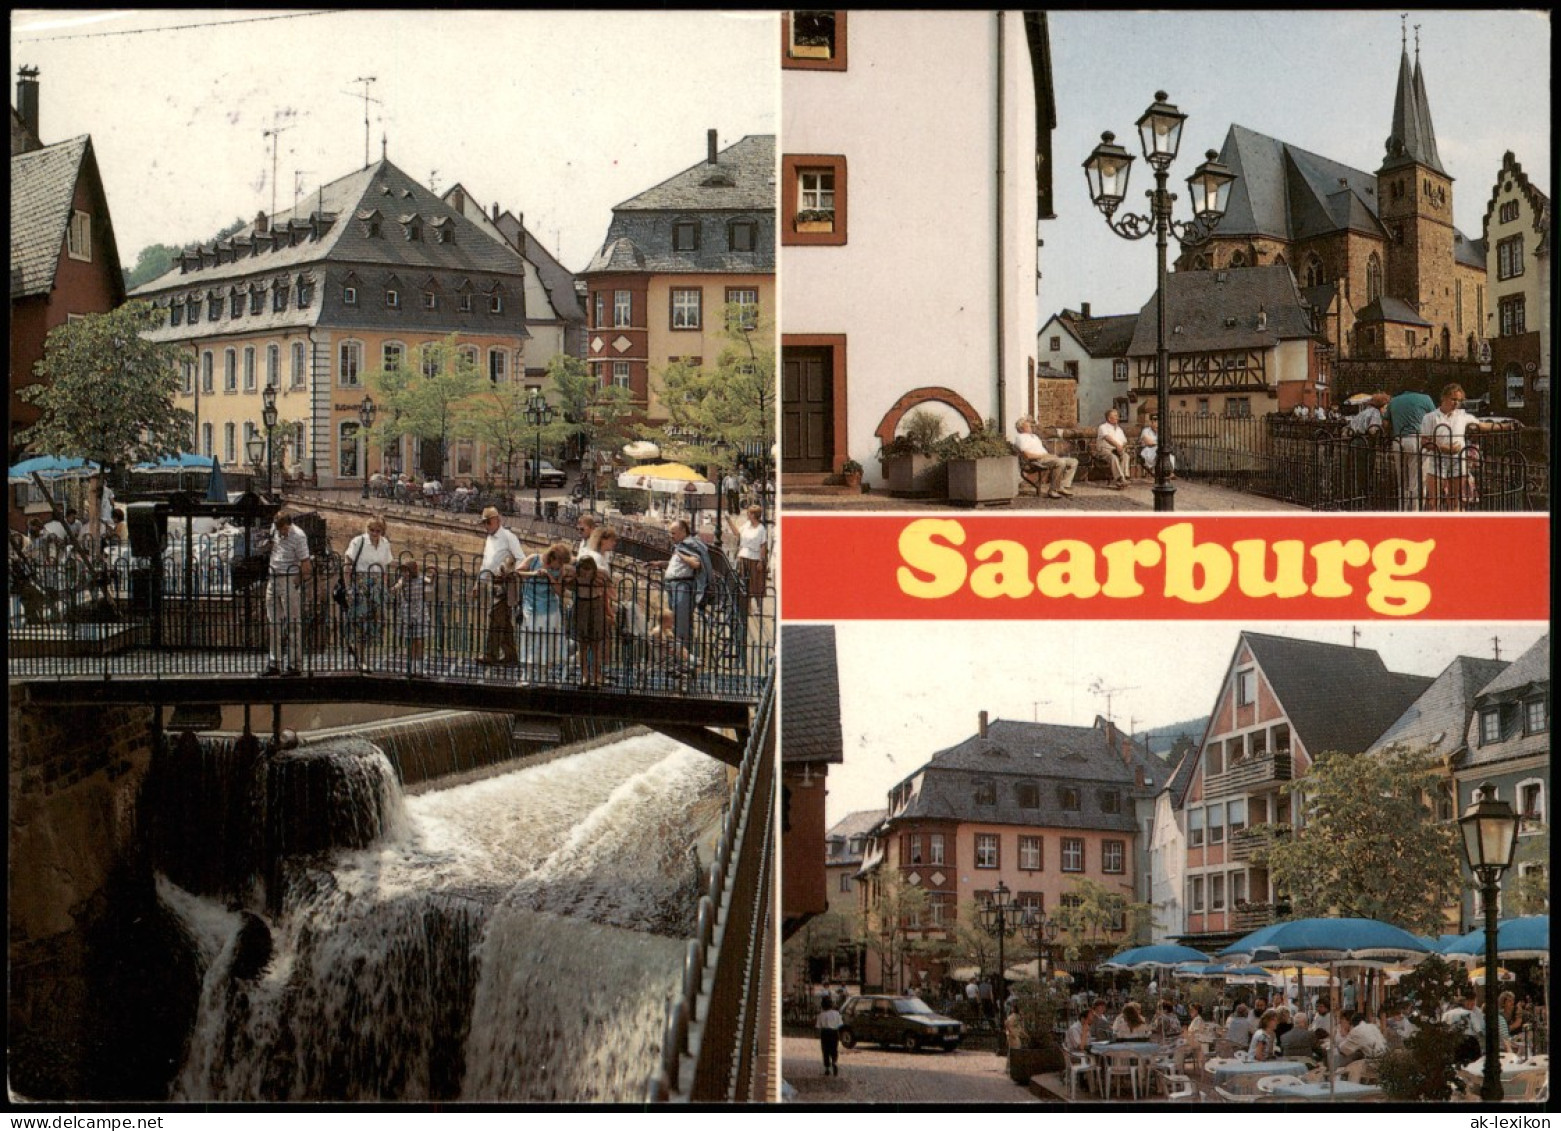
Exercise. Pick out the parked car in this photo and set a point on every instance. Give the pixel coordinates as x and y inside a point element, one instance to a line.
<point>549,475</point>
<point>898,1020</point>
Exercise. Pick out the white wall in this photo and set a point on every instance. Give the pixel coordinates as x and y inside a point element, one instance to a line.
<point>915,289</point>
<point>1167,869</point>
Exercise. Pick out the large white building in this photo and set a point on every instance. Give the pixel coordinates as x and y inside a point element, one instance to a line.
<point>912,180</point>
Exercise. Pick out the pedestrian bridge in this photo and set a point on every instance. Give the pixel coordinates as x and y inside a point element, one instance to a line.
<point>205,628</point>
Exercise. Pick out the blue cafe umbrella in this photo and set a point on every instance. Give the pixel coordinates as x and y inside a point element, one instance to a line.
<point>1219,970</point>
<point>1161,954</point>
<point>176,461</point>
<point>216,489</point>
<point>1528,937</point>
<point>50,467</point>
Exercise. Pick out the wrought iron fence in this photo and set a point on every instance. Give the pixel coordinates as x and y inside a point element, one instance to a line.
<point>1326,466</point>
<point>716,1028</point>
<point>214,608</point>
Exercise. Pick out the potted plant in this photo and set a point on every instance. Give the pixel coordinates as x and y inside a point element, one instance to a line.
<point>814,220</point>
<point>982,467</point>
<point>909,460</point>
<point>1038,1051</point>
<point>851,475</point>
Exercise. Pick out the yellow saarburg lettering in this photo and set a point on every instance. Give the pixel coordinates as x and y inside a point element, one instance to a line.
<point>1196,573</point>
<point>1394,560</point>
<point>919,551</point>
<point>1074,575</point>
<point>1000,577</point>
<point>1252,578</point>
<point>1184,558</point>
<point>1331,558</point>
<point>1122,558</point>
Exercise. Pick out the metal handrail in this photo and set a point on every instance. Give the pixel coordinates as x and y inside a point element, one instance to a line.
<point>712,1035</point>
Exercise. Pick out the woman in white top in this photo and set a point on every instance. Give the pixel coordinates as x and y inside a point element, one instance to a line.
<point>1111,442</point>
<point>1449,463</point>
<point>752,550</point>
<point>1149,447</point>
<point>370,560</point>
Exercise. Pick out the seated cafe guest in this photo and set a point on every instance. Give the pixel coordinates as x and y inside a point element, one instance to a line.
<point>1130,1024</point>
<point>1263,1041</point>
<point>1363,1040</point>
<point>1240,1029</point>
<point>1099,1027</point>
<point>1298,1042</point>
<point>1166,1027</point>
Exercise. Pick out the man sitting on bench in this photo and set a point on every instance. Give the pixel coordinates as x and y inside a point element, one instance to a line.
<point>1034,458</point>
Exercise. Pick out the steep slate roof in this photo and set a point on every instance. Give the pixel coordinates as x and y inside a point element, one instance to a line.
<point>860,823</point>
<point>1290,193</point>
<point>1529,671</point>
<point>1013,752</point>
<point>1199,302</point>
<point>43,186</point>
<point>739,185</point>
<point>555,277</point>
<point>1471,253</point>
<point>381,187</point>
<point>1413,138</point>
<point>1389,309</point>
<point>810,701</point>
<point>1439,718</point>
<point>1181,777</point>
<point>1533,667</point>
<point>1106,336</point>
<point>1336,698</point>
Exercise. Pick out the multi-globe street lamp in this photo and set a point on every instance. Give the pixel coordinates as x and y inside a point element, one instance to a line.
<point>1000,918</point>
<point>1041,933</point>
<point>366,412</point>
<point>539,414</point>
<point>1490,836</point>
<point>1160,130</point>
<point>268,418</point>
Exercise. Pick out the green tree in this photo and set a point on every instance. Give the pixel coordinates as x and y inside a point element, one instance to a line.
<point>496,416</point>
<point>1530,890</point>
<point>715,412</point>
<point>1371,845</point>
<point>107,394</point>
<point>895,906</point>
<point>602,415</point>
<point>969,945</point>
<point>1091,915</point>
<point>834,936</point>
<point>426,396</point>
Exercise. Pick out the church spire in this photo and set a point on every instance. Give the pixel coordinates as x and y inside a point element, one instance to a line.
<point>1412,138</point>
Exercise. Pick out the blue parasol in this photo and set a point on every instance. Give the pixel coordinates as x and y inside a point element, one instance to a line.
<point>50,467</point>
<point>216,489</point>
<point>1162,954</point>
<point>1528,937</point>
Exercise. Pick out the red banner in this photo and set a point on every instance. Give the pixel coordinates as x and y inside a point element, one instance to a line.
<point>961,566</point>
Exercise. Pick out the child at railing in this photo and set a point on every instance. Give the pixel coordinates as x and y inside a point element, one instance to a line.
<point>590,620</point>
<point>411,600</point>
<point>667,651</point>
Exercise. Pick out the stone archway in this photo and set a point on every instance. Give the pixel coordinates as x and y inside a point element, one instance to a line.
<point>897,411</point>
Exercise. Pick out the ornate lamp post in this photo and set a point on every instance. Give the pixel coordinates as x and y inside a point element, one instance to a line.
<point>256,446</point>
<point>1041,933</point>
<point>1160,130</point>
<point>1000,918</point>
<point>1490,836</point>
<point>539,414</point>
<point>366,412</point>
<point>268,418</point>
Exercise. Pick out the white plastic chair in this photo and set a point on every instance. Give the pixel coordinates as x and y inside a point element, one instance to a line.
<point>1235,1097</point>
<point>1120,1065</point>
<point>1079,1064</point>
<point>1183,1088</point>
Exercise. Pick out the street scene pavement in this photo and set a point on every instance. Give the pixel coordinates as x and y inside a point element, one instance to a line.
<point>872,1075</point>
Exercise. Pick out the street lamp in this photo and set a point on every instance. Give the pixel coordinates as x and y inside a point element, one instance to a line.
<point>1490,835</point>
<point>1160,132</point>
<point>1041,933</point>
<point>1000,918</point>
<point>366,412</point>
<point>539,414</point>
<point>268,418</point>
<point>256,446</point>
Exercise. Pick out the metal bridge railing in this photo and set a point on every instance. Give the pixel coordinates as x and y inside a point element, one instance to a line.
<point>1326,466</point>
<point>714,1034</point>
<point>213,611</point>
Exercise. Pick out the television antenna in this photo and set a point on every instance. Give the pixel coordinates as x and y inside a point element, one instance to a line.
<point>273,133</point>
<point>367,81</point>
<point>1099,688</point>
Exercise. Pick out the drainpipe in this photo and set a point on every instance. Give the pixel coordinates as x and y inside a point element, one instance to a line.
<point>314,439</point>
<point>997,257</point>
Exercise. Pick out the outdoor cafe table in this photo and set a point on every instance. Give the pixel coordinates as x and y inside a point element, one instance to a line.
<point>1249,1072</point>
<point>1510,1066</point>
<point>1144,1051</point>
<point>1318,1090</point>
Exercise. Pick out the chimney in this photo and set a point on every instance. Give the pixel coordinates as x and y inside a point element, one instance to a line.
<point>262,222</point>
<point>1138,776</point>
<point>712,144</point>
<point>495,212</point>
<point>458,200</point>
<point>1262,318</point>
<point>1127,750</point>
<point>1083,310</point>
<point>982,728</point>
<point>27,99</point>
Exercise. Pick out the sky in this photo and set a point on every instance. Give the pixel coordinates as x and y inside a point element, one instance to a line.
<point>910,689</point>
<point>559,115</point>
<point>1321,80</point>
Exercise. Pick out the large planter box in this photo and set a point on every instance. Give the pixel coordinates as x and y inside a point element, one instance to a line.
<point>1025,1063</point>
<point>914,477</point>
<point>993,481</point>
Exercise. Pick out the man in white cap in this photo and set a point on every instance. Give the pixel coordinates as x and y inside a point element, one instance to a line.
<point>289,569</point>
<point>501,553</point>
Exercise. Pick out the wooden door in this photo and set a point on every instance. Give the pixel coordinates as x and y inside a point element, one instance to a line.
<point>807,401</point>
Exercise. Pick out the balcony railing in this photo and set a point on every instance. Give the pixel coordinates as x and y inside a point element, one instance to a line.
<point>1250,916</point>
<point>1243,775</point>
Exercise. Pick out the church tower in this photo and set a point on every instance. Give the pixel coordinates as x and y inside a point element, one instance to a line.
<point>1415,203</point>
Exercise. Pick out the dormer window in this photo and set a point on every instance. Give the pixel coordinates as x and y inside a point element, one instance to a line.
<point>414,227</point>
<point>466,304</point>
<point>214,308</point>
<point>1068,798</point>
<point>685,235</point>
<point>495,304</point>
<point>393,298</point>
<point>1028,795</point>
<point>349,296</point>
<point>305,293</point>
<point>742,235</point>
<point>175,314</point>
<point>986,792</point>
<point>444,230</point>
<point>195,310</point>
<point>257,301</point>
<point>430,301</point>
<point>235,305</point>
<point>279,297</point>
<point>1110,801</point>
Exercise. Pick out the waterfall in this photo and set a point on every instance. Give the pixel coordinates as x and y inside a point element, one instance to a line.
<point>515,938</point>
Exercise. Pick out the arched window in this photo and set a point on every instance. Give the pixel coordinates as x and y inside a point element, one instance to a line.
<point>298,365</point>
<point>1373,278</point>
<point>1199,263</point>
<point>431,359</point>
<point>1238,259</point>
<point>347,450</point>
<point>1312,275</point>
<point>351,364</point>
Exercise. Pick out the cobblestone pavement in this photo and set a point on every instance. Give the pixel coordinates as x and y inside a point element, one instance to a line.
<point>869,1074</point>
<point>1190,496</point>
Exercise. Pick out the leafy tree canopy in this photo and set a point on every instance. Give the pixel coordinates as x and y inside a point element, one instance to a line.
<point>1091,914</point>
<point>427,394</point>
<point>156,259</point>
<point>715,412</point>
<point>603,414</point>
<point>108,392</point>
<point>1371,845</point>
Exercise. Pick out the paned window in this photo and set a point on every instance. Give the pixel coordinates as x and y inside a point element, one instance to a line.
<point>78,241</point>
<point>742,308</point>
<point>349,296</point>
<point>1536,716</point>
<point>1509,257</point>
<point>1195,893</point>
<point>1217,824</point>
<point>1236,814</point>
<point>230,371</point>
<point>815,40</point>
<point>685,235</point>
<point>1217,893</point>
<point>299,368</point>
<point>430,361</point>
<point>742,235</point>
<point>273,365</point>
<point>913,849</point>
<point>257,301</point>
<point>1068,798</point>
<point>207,433</point>
<point>1490,725</point>
<point>622,308</point>
<point>1028,794</point>
<point>187,372</point>
<point>1113,857</point>
<point>1514,315</point>
<point>1030,853</point>
<point>813,199</point>
<point>175,313</point>
<point>686,308</point>
<point>1072,854</point>
<point>935,848</point>
<point>229,442</point>
<point>206,372</point>
<point>249,369</point>
<point>1195,828</point>
<point>390,355</point>
<point>986,791</point>
<point>620,374</point>
<point>351,362</point>
<point>986,850</point>
<point>498,366</point>
<point>1246,687</point>
<point>235,305</point>
<point>279,297</point>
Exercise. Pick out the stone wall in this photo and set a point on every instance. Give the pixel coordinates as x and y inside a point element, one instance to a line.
<point>1056,402</point>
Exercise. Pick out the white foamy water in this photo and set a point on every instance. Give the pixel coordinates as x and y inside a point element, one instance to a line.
<point>515,938</point>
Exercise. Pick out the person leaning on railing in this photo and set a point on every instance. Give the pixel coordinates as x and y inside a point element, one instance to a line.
<point>501,553</point>
<point>370,559</point>
<point>1443,432</point>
